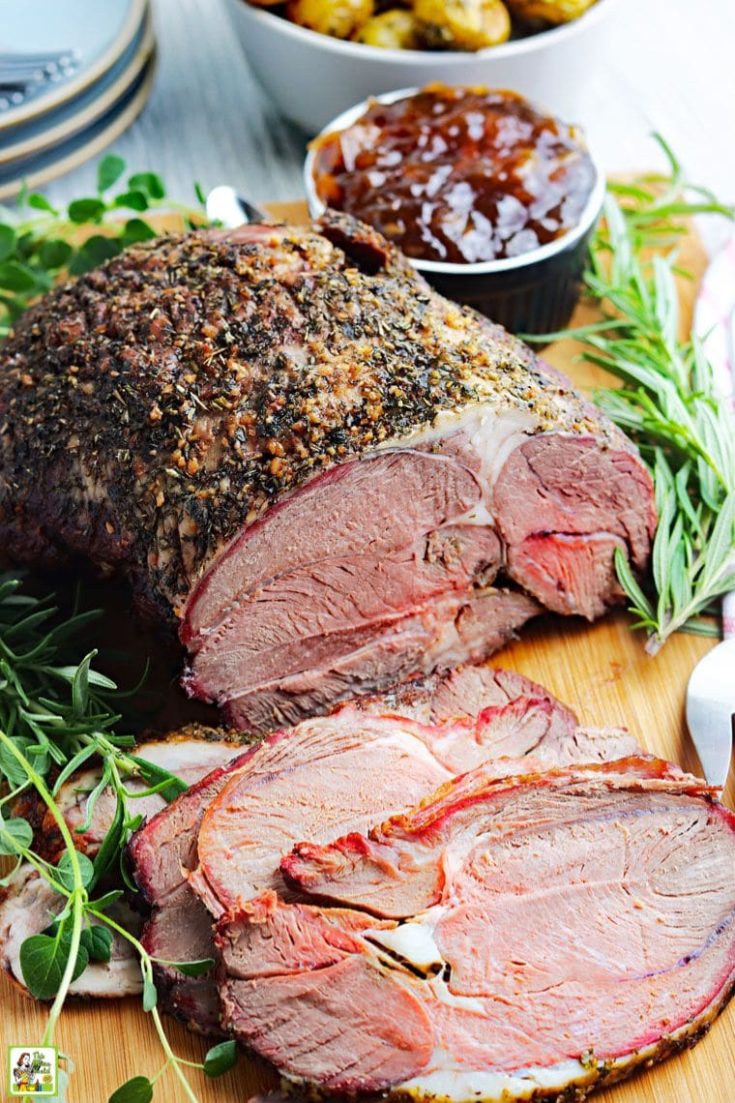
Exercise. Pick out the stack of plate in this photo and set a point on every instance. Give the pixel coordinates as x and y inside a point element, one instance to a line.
<point>69,111</point>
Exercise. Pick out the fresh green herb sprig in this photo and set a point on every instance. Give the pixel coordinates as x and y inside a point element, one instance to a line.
<point>82,932</point>
<point>41,243</point>
<point>61,715</point>
<point>668,402</point>
<point>56,716</point>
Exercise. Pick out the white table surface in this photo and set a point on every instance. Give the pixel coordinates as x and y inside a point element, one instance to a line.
<point>670,66</point>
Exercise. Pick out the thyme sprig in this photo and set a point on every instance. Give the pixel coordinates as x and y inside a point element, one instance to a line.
<point>668,402</point>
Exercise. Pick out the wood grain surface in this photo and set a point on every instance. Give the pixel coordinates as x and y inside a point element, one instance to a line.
<point>603,672</point>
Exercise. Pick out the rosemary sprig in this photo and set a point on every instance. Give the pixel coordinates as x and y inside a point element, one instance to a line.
<point>60,715</point>
<point>57,714</point>
<point>668,402</point>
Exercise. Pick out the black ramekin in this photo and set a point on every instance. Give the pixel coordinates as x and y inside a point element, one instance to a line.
<point>535,292</point>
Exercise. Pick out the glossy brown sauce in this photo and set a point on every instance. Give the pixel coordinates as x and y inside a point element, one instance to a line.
<point>458,174</point>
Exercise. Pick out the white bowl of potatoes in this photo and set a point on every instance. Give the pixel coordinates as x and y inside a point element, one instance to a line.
<point>316,58</point>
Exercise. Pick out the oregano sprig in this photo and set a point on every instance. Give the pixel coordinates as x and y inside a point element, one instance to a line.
<point>40,242</point>
<point>218,1059</point>
<point>54,961</point>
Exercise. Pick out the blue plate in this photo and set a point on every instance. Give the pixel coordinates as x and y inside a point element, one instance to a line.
<point>36,171</point>
<point>97,31</point>
<point>61,124</point>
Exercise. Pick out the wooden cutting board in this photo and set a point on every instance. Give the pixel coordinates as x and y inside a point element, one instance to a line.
<point>600,670</point>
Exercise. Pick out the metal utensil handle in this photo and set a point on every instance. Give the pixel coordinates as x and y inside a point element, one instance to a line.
<point>39,59</point>
<point>225,206</point>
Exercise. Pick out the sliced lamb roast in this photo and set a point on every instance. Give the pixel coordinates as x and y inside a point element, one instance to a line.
<point>359,763</point>
<point>327,476</point>
<point>526,937</point>
<point>179,927</point>
<point>190,753</point>
<point>325,776</point>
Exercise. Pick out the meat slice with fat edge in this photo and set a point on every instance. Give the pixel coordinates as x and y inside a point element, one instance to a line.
<point>190,752</point>
<point>325,475</point>
<point>28,904</point>
<point>518,938</point>
<point>328,775</point>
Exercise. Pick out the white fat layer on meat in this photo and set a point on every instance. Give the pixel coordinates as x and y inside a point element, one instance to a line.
<point>413,941</point>
<point>452,1083</point>
<point>418,749</point>
<point>446,1080</point>
<point>493,434</point>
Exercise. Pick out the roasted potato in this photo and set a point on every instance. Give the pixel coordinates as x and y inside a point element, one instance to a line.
<point>338,18</point>
<point>463,24</point>
<point>395,29</point>
<point>548,11</point>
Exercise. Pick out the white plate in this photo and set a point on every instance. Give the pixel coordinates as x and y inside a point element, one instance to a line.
<point>98,31</point>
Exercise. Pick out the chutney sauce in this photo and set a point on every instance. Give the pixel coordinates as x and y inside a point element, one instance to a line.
<point>458,174</point>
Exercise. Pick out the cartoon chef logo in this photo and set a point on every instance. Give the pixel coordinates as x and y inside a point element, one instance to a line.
<point>32,1070</point>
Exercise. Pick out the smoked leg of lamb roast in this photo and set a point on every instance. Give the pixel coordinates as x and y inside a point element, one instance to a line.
<point>329,478</point>
<point>508,939</point>
<point>323,777</point>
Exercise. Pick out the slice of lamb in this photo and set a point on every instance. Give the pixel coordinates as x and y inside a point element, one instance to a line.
<point>28,905</point>
<point>465,691</point>
<point>341,609</point>
<point>182,931</point>
<point>495,702</point>
<point>349,768</point>
<point>190,753</point>
<point>167,842</point>
<point>161,854</point>
<point>365,766</point>
<point>247,816</point>
<point>448,630</point>
<point>533,936</point>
